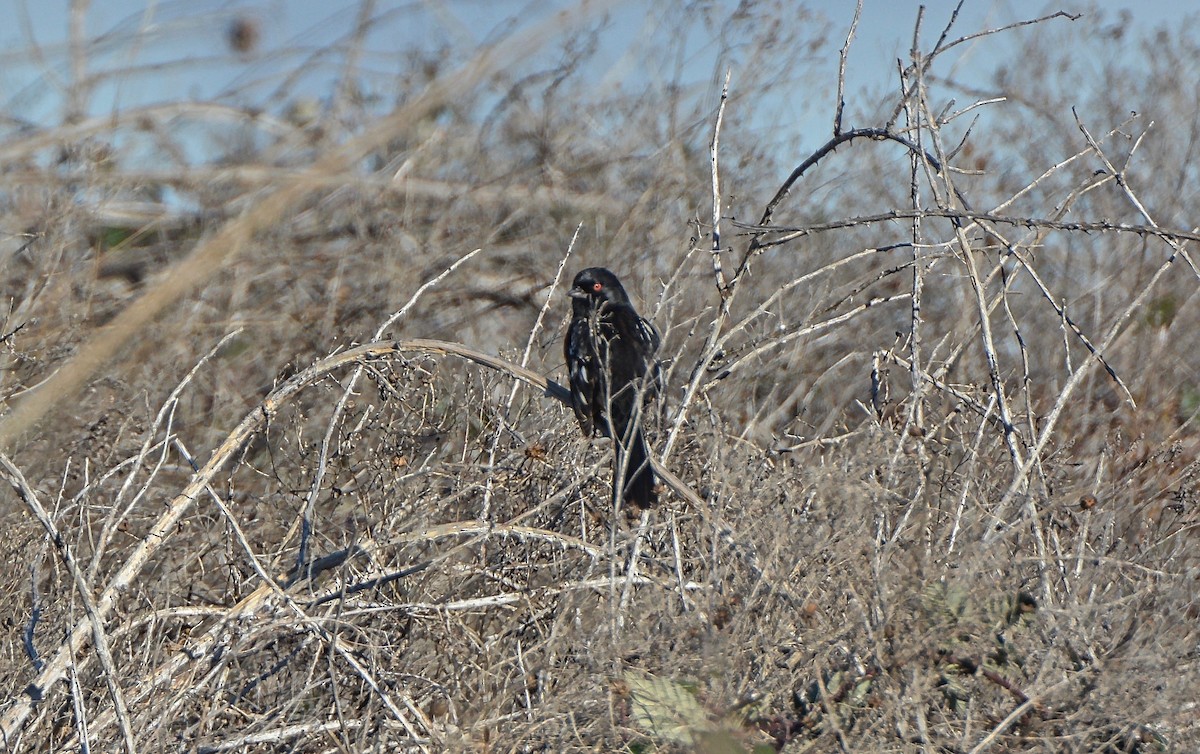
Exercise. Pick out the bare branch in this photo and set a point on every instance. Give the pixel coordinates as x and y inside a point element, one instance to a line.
<point>841,79</point>
<point>713,152</point>
<point>94,622</point>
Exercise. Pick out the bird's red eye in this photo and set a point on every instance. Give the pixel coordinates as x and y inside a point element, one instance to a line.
<point>597,287</point>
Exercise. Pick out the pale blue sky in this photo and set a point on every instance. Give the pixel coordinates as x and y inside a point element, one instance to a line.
<point>186,40</point>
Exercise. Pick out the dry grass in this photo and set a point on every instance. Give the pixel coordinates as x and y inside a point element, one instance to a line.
<point>932,412</point>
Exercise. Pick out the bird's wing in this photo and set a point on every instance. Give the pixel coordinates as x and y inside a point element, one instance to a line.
<point>648,334</point>
<point>583,373</point>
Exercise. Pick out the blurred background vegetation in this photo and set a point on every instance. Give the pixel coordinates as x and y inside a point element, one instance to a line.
<point>938,409</point>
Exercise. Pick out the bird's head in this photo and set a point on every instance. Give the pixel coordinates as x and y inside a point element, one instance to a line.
<point>595,286</point>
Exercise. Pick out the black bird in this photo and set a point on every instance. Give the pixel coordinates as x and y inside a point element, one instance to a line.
<point>611,363</point>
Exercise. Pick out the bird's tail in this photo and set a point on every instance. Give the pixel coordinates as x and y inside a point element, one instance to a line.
<point>634,469</point>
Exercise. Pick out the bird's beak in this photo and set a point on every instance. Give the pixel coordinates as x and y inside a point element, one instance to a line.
<point>577,293</point>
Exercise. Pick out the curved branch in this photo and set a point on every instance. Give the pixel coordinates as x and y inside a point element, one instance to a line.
<point>17,713</point>
<point>874,134</point>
